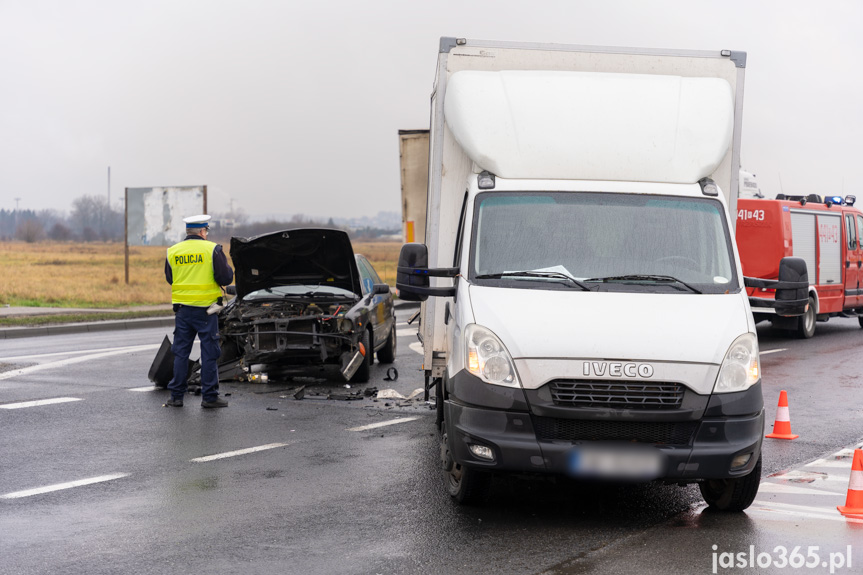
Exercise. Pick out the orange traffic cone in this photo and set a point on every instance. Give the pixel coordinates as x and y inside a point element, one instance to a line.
<point>854,501</point>
<point>782,424</point>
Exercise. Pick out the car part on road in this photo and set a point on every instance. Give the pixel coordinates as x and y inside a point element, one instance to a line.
<point>364,370</point>
<point>162,369</point>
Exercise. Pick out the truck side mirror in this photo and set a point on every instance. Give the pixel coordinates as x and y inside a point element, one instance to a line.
<point>413,273</point>
<point>414,256</point>
<point>380,289</point>
<point>792,300</point>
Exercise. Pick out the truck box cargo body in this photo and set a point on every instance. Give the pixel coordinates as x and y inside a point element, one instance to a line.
<point>414,164</point>
<point>825,233</point>
<point>587,313</point>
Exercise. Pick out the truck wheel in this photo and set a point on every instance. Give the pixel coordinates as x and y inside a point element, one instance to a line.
<point>364,371</point>
<point>860,320</point>
<point>732,494</point>
<point>466,486</point>
<point>806,322</point>
<point>387,353</point>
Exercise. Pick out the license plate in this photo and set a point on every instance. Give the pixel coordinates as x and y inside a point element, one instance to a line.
<point>624,462</point>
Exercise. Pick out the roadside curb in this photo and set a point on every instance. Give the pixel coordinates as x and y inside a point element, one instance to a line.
<point>69,328</point>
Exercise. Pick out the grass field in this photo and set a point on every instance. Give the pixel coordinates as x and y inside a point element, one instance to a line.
<point>92,275</point>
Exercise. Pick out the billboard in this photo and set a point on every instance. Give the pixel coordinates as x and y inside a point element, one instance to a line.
<point>154,216</point>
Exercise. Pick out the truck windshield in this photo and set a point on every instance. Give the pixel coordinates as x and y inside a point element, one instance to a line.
<point>607,242</point>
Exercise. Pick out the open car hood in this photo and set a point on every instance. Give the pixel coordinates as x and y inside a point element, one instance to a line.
<point>290,257</point>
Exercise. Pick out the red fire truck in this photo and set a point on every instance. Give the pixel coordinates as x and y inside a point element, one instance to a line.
<point>826,233</point>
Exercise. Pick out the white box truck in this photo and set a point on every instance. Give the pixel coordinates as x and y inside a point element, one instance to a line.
<point>584,311</point>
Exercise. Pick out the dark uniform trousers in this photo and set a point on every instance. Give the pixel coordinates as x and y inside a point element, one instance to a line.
<point>190,321</point>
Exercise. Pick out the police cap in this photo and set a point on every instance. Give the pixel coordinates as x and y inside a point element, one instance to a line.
<point>200,221</point>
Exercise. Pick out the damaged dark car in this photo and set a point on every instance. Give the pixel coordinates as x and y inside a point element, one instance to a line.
<point>303,299</point>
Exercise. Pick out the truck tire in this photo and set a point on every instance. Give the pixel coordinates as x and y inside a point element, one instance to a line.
<point>438,398</point>
<point>387,354</point>
<point>806,322</point>
<point>466,486</point>
<point>732,494</point>
<point>860,320</point>
<point>364,372</point>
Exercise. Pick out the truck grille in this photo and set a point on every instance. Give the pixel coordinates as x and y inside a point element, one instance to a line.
<point>661,432</point>
<point>616,394</point>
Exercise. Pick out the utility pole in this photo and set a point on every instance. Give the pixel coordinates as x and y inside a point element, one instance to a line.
<point>109,188</point>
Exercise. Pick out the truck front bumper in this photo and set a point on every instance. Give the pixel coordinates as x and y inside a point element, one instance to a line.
<point>709,453</point>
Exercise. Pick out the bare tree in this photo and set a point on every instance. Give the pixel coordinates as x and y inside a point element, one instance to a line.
<point>59,232</point>
<point>92,217</point>
<point>30,230</point>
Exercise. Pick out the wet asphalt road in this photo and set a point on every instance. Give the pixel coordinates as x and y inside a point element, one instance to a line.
<point>324,498</point>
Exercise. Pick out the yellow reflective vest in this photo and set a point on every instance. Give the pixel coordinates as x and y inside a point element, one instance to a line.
<point>191,264</point>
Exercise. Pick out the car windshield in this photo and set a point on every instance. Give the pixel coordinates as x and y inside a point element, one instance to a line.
<point>607,242</point>
<point>308,291</point>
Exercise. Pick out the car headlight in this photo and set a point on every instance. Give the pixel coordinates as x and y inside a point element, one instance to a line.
<point>741,368</point>
<point>487,358</point>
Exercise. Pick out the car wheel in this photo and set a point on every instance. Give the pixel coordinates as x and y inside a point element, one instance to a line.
<point>732,494</point>
<point>466,486</point>
<point>364,372</point>
<point>387,353</point>
<point>806,322</point>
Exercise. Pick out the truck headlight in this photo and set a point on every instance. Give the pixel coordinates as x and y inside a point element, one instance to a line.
<point>741,368</point>
<point>487,358</point>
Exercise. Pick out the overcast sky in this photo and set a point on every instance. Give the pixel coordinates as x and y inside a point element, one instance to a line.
<point>292,107</point>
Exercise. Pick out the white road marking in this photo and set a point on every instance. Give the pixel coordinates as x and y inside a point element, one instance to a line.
<point>73,360</point>
<point>78,352</point>
<point>808,477</point>
<point>148,388</point>
<point>826,463</point>
<point>39,402</point>
<point>766,351</point>
<point>401,332</point>
<point>61,486</point>
<point>417,347</point>
<point>238,452</point>
<point>783,488</point>
<point>801,511</point>
<point>382,424</point>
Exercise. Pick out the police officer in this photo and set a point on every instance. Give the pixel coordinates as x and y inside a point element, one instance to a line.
<point>196,268</point>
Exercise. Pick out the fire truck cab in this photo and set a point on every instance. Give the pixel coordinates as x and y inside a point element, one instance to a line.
<point>826,233</point>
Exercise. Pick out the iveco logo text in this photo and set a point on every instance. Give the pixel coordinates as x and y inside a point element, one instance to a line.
<point>600,368</point>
